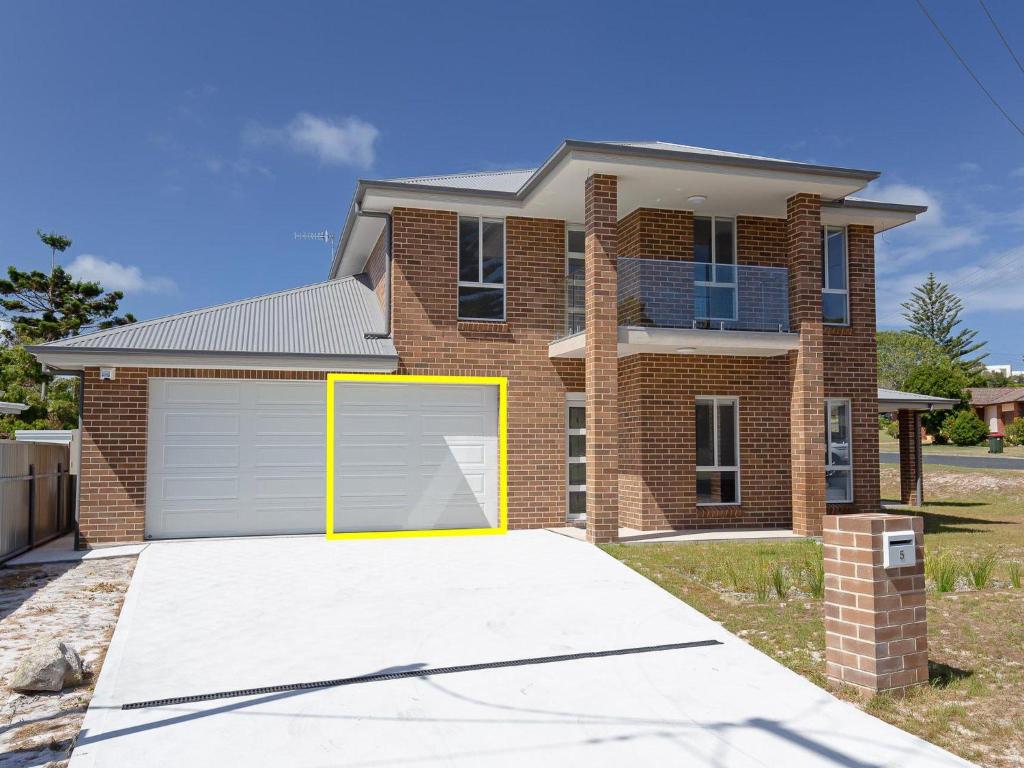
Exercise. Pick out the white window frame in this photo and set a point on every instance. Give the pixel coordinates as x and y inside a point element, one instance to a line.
<point>829,402</point>
<point>480,269</point>
<point>574,256</point>
<point>846,269</point>
<point>574,400</point>
<point>714,271</point>
<point>715,400</point>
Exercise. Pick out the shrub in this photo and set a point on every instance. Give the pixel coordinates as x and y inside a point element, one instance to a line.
<point>980,569</point>
<point>892,429</point>
<point>964,428</point>
<point>942,568</point>
<point>1015,432</point>
<point>1014,568</point>
<point>760,581</point>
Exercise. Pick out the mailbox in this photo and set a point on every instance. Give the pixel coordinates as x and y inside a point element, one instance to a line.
<point>899,549</point>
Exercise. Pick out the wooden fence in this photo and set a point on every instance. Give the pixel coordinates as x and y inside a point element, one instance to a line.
<point>37,495</point>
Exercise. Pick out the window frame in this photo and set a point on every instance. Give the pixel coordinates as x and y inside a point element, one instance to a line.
<point>574,400</point>
<point>714,271</point>
<point>715,400</point>
<point>829,402</point>
<point>846,272</point>
<point>480,269</point>
<point>574,256</point>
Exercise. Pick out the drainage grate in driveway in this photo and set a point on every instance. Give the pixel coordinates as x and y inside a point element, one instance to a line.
<point>429,672</point>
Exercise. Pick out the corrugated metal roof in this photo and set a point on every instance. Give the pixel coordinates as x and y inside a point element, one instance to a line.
<point>995,395</point>
<point>672,146</point>
<point>498,181</point>
<point>328,318</point>
<point>892,398</point>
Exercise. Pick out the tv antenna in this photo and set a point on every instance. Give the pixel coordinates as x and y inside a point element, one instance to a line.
<point>323,237</point>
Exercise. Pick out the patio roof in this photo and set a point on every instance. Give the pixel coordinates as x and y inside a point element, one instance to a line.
<point>893,400</point>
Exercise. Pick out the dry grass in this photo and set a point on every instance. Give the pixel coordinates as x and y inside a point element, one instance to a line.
<point>973,705</point>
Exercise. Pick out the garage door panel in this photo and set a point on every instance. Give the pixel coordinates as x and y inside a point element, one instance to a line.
<point>292,394</point>
<point>310,456</point>
<point>176,423</point>
<point>196,487</point>
<point>289,424</point>
<point>288,487</point>
<point>200,393</point>
<point>415,457</point>
<point>200,456</point>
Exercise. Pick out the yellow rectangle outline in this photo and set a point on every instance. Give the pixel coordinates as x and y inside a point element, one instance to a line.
<point>392,378</point>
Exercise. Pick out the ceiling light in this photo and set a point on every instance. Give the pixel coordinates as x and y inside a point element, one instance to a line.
<point>696,200</point>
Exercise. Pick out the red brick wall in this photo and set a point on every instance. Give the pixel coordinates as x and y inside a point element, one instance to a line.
<point>807,407</point>
<point>657,402</point>
<point>761,241</point>
<point>114,428</point>
<point>377,269</point>
<point>655,233</point>
<point>430,340</point>
<point>850,367</point>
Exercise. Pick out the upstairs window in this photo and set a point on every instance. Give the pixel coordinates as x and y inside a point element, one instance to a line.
<point>838,459</point>
<point>481,269</point>
<point>835,295</point>
<point>714,278</point>
<point>718,450</point>
<point>575,247</point>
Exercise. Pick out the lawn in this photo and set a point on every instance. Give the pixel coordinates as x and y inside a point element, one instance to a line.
<point>891,445</point>
<point>976,636</point>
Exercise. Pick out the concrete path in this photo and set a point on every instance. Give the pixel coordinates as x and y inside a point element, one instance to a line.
<point>208,616</point>
<point>975,462</point>
<point>62,550</point>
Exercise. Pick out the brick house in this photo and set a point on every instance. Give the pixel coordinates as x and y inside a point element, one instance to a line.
<point>997,406</point>
<point>688,338</point>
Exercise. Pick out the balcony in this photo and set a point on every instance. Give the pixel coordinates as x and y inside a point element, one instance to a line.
<point>685,307</point>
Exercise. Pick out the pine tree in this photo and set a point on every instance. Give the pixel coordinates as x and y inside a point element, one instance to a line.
<point>933,312</point>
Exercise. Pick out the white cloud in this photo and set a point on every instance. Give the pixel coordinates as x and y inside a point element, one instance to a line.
<point>118,277</point>
<point>1017,172</point>
<point>344,141</point>
<point>929,236</point>
<point>969,167</point>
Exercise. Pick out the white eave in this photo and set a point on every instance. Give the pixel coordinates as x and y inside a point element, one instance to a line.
<point>672,341</point>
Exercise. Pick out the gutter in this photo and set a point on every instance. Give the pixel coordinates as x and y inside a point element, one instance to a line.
<point>388,260</point>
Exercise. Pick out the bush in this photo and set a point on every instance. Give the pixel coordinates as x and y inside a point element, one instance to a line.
<point>981,568</point>
<point>814,576</point>
<point>943,569</point>
<point>1015,432</point>
<point>892,429</point>
<point>964,428</point>
<point>1013,569</point>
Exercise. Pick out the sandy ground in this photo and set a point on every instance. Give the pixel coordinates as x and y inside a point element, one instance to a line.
<point>76,602</point>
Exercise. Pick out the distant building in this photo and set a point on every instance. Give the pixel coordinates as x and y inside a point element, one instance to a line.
<point>997,406</point>
<point>1006,370</point>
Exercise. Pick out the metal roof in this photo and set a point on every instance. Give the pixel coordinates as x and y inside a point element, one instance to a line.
<point>995,395</point>
<point>329,318</point>
<point>894,400</point>
<point>497,181</point>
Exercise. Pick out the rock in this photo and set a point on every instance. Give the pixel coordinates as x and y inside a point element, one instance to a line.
<point>49,666</point>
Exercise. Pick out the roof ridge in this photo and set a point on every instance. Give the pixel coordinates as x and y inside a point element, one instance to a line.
<point>464,173</point>
<point>199,311</point>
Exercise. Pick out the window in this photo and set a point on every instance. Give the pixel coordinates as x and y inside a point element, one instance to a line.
<point>714,256</point>
<point>575,245</point>
<point>838,461</point>
<point>835,302</point>
<point>576,455</point>
<point>718,450</point>
<point>481,269</point>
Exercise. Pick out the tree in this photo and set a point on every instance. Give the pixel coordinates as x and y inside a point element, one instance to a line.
<point>42,308</point>
<point>899,353</point>
<point>933,312</point>
<point>964,428</point>
<point>56,243</point>
<point>940,378</point>
<point>21,378</point>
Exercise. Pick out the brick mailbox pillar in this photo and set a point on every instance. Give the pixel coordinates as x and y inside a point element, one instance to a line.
<point>876,631</point>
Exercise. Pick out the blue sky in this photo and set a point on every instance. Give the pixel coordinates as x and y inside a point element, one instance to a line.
<point>181,145</point>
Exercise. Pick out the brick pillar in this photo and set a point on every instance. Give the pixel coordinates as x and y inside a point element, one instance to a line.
<point>911,470</point>
<point>807,396</point>
<point>876,630</point>
<point>601,361</point>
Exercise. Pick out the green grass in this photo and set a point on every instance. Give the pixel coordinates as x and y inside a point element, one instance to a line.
<point>889,445</point>
<point>974,520</point>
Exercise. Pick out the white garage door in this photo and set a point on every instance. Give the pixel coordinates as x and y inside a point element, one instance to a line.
<point>233,457</point>
<point>415,456</point>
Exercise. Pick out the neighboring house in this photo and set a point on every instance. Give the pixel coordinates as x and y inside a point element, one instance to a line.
<point>997,406</point>
<point>688,337</point>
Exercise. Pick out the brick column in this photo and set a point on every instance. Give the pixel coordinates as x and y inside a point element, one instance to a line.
<point>807,403</point>
<point>876,630</point>
<point>911,470</point>
<point>602,359</point>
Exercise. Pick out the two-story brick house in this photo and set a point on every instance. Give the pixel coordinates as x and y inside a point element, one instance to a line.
<point>688,338</point>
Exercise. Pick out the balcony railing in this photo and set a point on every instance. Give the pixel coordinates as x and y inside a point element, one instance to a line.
<point>659,293</point>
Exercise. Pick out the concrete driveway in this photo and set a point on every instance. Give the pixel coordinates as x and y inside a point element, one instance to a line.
<point>205,616</point>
